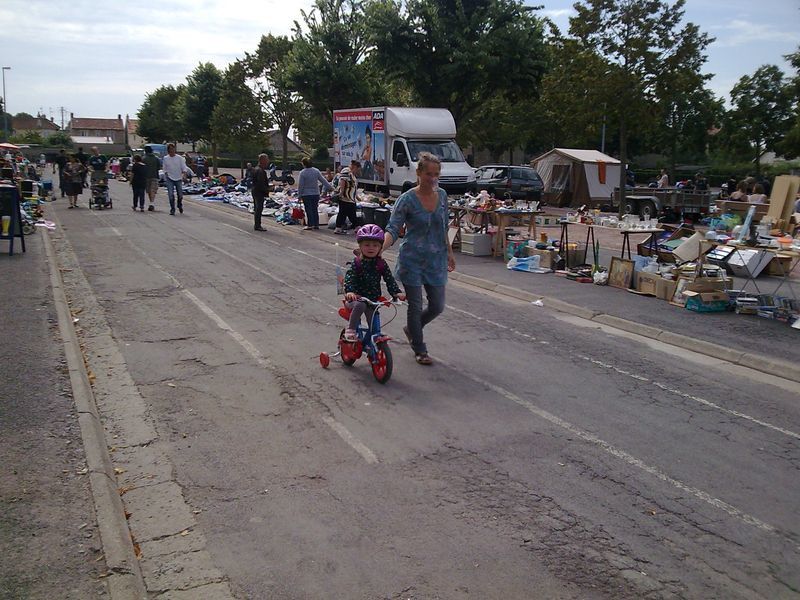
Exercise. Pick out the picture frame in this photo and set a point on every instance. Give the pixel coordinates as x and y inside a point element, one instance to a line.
<point>620,273</point>
<point>678,299</point>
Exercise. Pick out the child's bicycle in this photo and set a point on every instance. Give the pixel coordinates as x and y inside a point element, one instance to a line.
<point>370,341</point>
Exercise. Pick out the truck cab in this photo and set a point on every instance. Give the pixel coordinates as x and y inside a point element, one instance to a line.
<point>415,130</point>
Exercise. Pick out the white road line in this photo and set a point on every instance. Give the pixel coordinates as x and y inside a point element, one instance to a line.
<point>616,452</point>
<point>697,399</point>
<point>356,444</point>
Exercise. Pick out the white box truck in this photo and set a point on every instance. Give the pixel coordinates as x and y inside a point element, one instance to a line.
<point>387,141</point>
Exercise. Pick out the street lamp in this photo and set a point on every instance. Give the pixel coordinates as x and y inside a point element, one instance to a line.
<point>5,104</point>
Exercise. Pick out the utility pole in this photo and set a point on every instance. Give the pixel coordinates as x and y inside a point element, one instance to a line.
<point>63,110</point>
<point>5,104</point>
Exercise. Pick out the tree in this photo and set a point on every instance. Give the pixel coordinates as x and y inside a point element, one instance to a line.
<point>635,37</point>
<point>60,139</point>
<point>29,137</point>
<point>5,121</point>
<point>686,109</point>
<point>202,93</point>
<point>327,65</point>
<point>789,147</point>
<point>159,119</point>
<point>266,68</point>
<point>23,115</point>
<point>458,54</point>
<point>761,110</point>
<point>237,121</point>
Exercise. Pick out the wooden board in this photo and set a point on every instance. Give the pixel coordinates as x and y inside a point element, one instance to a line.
<point>781,200</point>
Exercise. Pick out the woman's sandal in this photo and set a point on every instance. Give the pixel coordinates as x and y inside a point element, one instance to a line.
<point>423,359</point>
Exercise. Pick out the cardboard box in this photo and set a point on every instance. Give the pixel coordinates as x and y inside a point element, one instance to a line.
<point>709,284</point>
<point>545,256</point>
<point>779,265</point>
<point>748,262</point>
<point>647,283</point>
<point>665,288</point>
<point>706,301</point>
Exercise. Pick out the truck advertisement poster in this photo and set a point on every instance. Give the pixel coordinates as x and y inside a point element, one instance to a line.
<point>359,135</point>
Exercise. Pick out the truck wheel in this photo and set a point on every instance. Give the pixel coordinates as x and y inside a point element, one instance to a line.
<point>647,209</point>
<point>629,208</point>
<point>407,186</point>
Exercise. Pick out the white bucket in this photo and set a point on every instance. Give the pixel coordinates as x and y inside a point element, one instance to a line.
<point>324,218</point>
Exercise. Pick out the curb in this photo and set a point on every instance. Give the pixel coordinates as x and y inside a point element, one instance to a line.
<point>125,580</point>
<point>757,362</point>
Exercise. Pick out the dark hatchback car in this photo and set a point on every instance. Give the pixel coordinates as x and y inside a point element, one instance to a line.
<point>517,181</point>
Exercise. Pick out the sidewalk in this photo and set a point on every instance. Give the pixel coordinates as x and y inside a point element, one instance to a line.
<point>49,538</point>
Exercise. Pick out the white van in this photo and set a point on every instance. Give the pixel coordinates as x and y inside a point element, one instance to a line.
<point>387,141</point>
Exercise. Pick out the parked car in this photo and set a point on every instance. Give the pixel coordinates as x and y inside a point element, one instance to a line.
<point>518,181</point>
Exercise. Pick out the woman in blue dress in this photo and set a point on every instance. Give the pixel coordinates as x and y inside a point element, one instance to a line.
<point>425,254</point>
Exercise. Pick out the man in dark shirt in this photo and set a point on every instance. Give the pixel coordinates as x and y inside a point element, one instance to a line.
<point>99,163</point>
<point>260,190</point>
<point>153,165</point>
<point>138,182</point>
<point>61,162</point>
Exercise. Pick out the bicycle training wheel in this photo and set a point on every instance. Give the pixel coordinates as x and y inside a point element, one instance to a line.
<point>382,366</point>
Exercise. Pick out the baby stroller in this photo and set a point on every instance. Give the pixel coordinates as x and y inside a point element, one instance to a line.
<point>99,197</point>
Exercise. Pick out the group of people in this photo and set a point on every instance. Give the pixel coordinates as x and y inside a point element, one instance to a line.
<point>749,189</point>
<point>423,262</point>
<point>699,183</point>
<point>425,256</point>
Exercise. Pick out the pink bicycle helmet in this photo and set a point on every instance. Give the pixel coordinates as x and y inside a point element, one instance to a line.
<point>369,232</point>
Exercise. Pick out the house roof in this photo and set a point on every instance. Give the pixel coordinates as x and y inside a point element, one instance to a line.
<point>26,123</point>
<point>133,124</point>
<point>91,123</point>
<point>582,155</point>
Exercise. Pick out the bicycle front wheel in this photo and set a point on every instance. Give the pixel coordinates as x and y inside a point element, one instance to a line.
<point>382,365</point>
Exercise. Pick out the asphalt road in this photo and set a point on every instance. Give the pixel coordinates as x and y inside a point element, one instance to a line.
<point>537,458</point>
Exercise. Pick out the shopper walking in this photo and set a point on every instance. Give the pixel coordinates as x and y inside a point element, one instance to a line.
<point>61,161</point>
<point>153,165</point>
<point>425,253</point>
<point>348,188</point>
<point>99,164</point>
<point>308,183</point>
<point>138,182</point>
<point>174,166</point>
<point>74,173</point>
<point>260,189</point>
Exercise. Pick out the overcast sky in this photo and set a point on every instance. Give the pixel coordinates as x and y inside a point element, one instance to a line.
<point>100,59</point>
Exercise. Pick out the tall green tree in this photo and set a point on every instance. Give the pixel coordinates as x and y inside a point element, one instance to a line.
<point>159,117</point>
<point>761,110</point>
<point>60,139</point>
<point>327,65</point>
<point>458,54</point>
<point>29,137</point>
<point>267,70</point>
<point>237,121</point>
<point>686,109</point>
<point>203,88</point>
<point>789,147</point>
<point>635,37</point>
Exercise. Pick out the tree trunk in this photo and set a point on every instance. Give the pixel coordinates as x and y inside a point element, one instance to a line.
<point>215,171</point>
<point>623,159</point>
<point>285,145</point>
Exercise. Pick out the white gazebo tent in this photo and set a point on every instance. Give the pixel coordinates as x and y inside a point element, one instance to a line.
<point>576,177</point>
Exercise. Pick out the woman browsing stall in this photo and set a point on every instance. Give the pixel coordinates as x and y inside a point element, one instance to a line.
<point>425,254</point>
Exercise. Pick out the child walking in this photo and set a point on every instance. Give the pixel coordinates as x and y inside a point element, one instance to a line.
<point>363,278</point>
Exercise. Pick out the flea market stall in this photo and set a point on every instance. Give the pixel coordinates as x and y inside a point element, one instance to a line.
<point>575,177</point>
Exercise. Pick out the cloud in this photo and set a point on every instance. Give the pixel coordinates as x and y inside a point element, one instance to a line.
<point>741,32</point>
<point>84,51</point>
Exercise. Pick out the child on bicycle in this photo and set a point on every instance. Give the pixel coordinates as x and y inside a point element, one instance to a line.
<point>363,278</point>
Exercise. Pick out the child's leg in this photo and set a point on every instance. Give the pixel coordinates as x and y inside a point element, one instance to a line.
<point>356,311</point>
